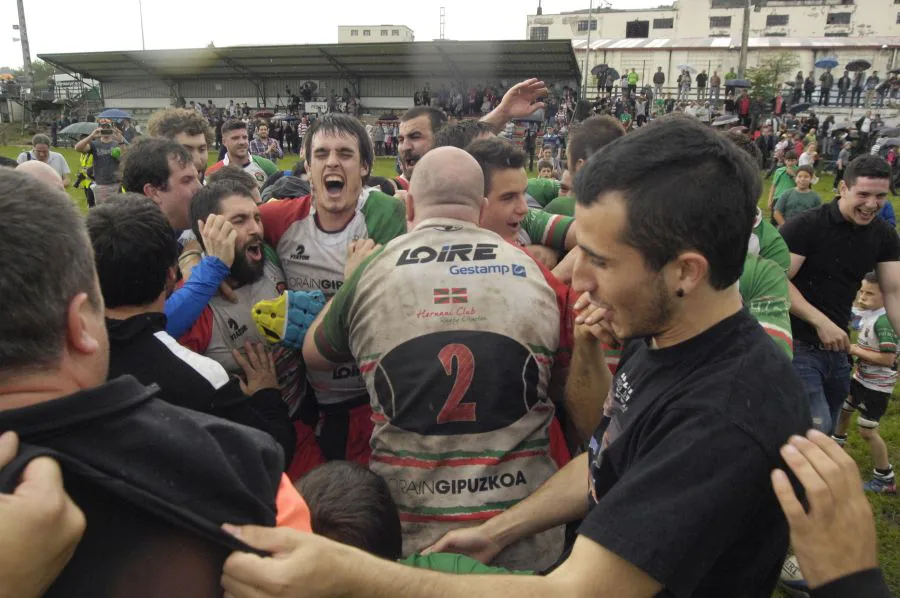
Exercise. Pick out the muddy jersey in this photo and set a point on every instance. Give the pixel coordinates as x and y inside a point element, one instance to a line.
<point>233,325</point>
<point>442,322</point>
<point>314,260</point>
<point>543,228</point>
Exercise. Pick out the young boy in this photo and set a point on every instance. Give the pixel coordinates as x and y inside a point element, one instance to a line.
<point>545,169</point>
<point>799,199</point>
<point>873,382</point>
<point>783,179</point>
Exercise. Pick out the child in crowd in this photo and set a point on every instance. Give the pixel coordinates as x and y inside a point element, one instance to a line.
<point>545,170</point>
<point>873,382</point>
<point>799,199</point>
<point>783,179</point>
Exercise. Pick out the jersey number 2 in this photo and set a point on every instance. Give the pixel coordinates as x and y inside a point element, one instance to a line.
<point>454,409</point>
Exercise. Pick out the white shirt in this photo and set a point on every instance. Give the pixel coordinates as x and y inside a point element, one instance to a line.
<point>866,125</point>
<point>55,160</point>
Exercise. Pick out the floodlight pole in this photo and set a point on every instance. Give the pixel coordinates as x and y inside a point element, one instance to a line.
<point>141,12</point>
<point>587,51</point>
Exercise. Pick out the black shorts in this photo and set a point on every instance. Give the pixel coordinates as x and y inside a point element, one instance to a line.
<point>871,404</point>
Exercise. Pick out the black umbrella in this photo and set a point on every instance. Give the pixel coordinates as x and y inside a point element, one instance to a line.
<point>892,132</point>
<point>311,86</point>
<point>739,84</point>
<point>798,108</point>
<point>726,120</point>
<point>858,65</point>
<point>894,72</point>
<point>599,69</point>
<point>612,74</point>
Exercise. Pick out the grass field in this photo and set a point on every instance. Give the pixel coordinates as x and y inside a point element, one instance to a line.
<point>887,508</point>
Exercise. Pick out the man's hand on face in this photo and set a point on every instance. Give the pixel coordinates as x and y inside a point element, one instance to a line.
<point>41,526</point>
<point>219,238</point>
<point>590,322</point>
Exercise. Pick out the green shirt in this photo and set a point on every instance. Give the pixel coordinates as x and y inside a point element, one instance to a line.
<point>543,190</point>
<point>793,202</point>
<point>633,78</point>
<point>782,181</point>
<point>543,228</point>
<point>764,289</point>
<point>563,205</point>
<point>456,563</point>
<point>730,75</point>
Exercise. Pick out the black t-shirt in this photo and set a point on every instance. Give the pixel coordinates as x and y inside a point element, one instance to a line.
<point>838,255</point>
<point>680,475</point>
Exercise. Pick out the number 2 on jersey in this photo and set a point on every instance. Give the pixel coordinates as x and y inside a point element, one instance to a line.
<point>454,410</point>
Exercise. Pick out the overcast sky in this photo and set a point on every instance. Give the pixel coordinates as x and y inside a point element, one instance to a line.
<point>56,26</point>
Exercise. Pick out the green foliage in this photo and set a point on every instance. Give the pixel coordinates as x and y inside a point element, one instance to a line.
<point>41,70</point>
<point>768,77</point>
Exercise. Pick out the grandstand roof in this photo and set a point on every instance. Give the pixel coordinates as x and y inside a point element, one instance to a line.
<point>720,43</point>
<point>450,59</point>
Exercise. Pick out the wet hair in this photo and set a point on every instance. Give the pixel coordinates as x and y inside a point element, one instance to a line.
<point>45,261</point>
<point>868,166</point>
<point>871,277</point>
<point>7,162</point>
<point>352,505</point>
<point>170,122</point>
<point>789,155</point>
<point>807,169</point>
<point>39,139</point>
<point>233,125</point>
<point>235,174</point>
<point>542,164</point>
<point>147,161</point>
<point>209,199</point>
<point>744,142</point>
<point>438,119</point>
<point>134,247</point>
<point>590,136</point>
<point>495,154</point>
<point>461,134</point>
<point>336,123</point>
<point>684,188</point>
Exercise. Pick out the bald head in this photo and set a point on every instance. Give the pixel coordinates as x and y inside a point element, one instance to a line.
<point>448,184</point>
<point>43,172</point>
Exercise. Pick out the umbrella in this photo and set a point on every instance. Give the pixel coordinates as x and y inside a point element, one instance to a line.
<point>611,75</point>
<point>686,67</point>
<point>797,108</point>
<point>114,114</point>
<point>264,113</point>
<point>893,132</point>
<point>310,86</point>
<point>388,117</point>
<point>894,72</point>
<point>79,129</point>
<point>740,130</point>
<point>827,63</point>
<point>859,65</point>
<point>283,116</point>
<point>728,119</point>
<point>893,141</point>
<point>599,69</point>
<point>738,83</point>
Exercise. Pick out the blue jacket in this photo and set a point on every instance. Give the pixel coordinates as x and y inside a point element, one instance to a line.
<point>186,304</point>
<point>887,214</point>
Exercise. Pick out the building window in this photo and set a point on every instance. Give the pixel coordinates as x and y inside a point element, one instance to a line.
<point>898,18</point>
<point>838,18</point>
<point>583,25</point>
<point>637,29</point>
<point>663,23</point>
<point>716,22</point>
<point>727,3</point>
<point>395,32</point>
<point>776,34</point>
<point>354,33</point>
<point>540,33</point>
<point>367,32</point>
<point>776,20</point>
<point>844,33</point>
<point>384,33</point>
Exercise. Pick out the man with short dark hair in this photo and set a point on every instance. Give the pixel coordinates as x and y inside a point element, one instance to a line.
<point>239,176</point>
<point>41,151</point>
<point>832,248</point>
<point>138,501</point>
<point>188,128</point>
<point>104,146</point>
<point>136,252</point>
<point>265,146</point>
<point>237,146</point>
<point>667,218</point>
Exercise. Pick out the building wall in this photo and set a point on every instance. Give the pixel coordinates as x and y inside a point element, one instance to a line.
<point>692,18</point>
<point>356,34</point>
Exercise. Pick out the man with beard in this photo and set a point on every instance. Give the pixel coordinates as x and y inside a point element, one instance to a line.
<point>237,145</point>
<point>311,236</point>
<point>163,171</point>
<point>135,252</point>
<point>698,409</point>
<point>419,125</point>
<point>188,128</point>
<point>225,331</point>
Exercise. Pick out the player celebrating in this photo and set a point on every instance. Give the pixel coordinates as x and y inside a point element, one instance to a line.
<point>873,382</point>
<point>458,438</point>
<point>311,236</point>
